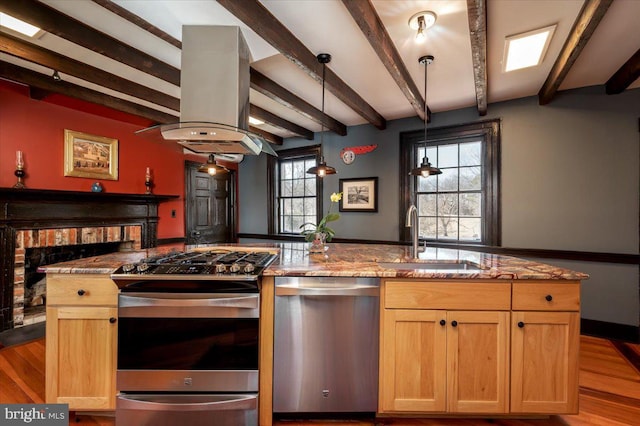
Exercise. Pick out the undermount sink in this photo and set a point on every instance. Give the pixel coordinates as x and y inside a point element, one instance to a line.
<point>456,266</point>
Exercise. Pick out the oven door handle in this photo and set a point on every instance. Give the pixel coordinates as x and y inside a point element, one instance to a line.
<point>165,403</point>
<point>171,301</point>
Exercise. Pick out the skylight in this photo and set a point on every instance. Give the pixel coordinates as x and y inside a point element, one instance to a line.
<point>526,49</point>
<point>15,24</point>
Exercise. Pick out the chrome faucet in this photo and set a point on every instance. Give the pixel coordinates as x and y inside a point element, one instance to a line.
<point>412,222</point>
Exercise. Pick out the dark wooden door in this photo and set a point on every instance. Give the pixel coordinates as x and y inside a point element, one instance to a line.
<point>209,206</point>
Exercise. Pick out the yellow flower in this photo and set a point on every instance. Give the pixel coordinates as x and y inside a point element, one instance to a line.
<point>336,196</point>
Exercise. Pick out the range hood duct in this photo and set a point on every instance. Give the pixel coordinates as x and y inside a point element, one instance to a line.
<point>214,101</point>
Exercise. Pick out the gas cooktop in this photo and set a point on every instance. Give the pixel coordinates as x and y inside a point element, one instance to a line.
<point>198,265</point>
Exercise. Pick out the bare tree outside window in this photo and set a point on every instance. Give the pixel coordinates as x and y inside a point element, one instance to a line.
<point>461,204</point>
<point>296,194</point>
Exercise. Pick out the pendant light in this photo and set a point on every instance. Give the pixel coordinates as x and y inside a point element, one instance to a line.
<point>211,167</point>
<point>425,168</point>
<point>322,169</point>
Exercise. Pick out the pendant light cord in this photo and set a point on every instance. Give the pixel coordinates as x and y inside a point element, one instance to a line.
<point>324,66</point>
<point>426,117</point>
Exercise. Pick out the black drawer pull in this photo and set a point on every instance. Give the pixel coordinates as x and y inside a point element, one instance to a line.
<point>442,322</point>
<point>112,320</point>
<point>548,297</point>
<point>521,324</point>
<point>454,323</point>
<point>81,292</point>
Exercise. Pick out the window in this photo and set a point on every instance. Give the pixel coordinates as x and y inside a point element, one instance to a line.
<point>296,196</point>
<point>461,205</point>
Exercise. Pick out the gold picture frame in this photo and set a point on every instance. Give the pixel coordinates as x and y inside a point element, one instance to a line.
<point>90,156</point>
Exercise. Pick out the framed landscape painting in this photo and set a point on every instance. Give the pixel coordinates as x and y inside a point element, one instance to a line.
<point>90,156</point>
<point>359,195</point>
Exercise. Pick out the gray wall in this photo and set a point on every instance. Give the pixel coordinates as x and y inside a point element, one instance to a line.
<point>570,181</point>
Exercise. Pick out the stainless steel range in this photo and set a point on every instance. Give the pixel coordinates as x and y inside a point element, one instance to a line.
<point>188,344</point>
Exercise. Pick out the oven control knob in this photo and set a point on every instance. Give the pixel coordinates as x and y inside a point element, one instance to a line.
<point>143,267</point>
<point>129,267</point>
<point>249,268</point>
<point>234,268</point>
<point>221,268</point>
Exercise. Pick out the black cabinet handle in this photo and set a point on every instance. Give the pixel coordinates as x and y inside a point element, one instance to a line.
<point>112,320</point>
<point>454,323</point>
<point>81,292</point>
<point>520,324</point>
<point>548,297</point>
<point>442,322</point>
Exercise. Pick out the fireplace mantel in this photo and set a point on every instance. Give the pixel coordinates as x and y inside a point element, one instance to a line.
<point>22,209</point>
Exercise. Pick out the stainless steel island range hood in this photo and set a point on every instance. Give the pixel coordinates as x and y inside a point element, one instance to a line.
<point>214,101</point>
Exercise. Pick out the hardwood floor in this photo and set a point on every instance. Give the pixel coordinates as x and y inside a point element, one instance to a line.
<point>609,389</point>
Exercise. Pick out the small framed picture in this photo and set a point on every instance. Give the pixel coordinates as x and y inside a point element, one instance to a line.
<point>90,156</point>
<point>359,195</point>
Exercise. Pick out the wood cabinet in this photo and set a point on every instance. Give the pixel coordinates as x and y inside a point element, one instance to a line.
<point>437,359</point>
<point>545,332</point>
<point>81,341</point>
<point>465,347</point>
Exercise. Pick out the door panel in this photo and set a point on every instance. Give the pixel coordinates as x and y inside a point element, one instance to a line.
<point>478,361</point>
<point>209,206</point>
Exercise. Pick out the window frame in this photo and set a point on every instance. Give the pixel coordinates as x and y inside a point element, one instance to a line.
<point>273,189</point>
<point>489,132</point>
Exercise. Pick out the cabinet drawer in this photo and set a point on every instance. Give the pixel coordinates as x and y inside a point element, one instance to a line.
<point>447,295</point>
<point>80,290</point>
<point>545,296</point>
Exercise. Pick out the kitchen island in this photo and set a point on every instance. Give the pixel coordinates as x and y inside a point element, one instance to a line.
<point>461,332</point>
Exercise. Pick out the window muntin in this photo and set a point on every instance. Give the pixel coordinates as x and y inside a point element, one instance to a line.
<point>296,194</point>
<point>449,204</point>
<point>461,205</point>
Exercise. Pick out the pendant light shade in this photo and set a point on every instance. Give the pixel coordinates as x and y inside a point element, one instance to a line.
<point>211,167</point>
<point>425,168</point>
<point>321,170</point>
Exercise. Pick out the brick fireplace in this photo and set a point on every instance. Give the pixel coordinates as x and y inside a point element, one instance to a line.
<point>49,218</point>
<point>129,236</point>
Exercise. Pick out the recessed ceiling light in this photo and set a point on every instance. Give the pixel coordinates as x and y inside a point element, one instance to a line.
<point>526,49</point>
<point>255,121</point>
<point>22,27</point>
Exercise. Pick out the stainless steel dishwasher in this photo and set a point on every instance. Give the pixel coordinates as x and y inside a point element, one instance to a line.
<point>326,345</point>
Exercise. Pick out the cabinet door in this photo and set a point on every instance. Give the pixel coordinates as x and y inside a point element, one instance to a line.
<point>81,357</point>
<point>412,364</point>
<point>478,362</point>
<point>544,358</point>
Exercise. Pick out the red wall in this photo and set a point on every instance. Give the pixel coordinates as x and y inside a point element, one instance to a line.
<point>37,129</point>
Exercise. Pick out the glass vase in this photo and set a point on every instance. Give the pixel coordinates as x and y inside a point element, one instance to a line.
<point>318,243</point>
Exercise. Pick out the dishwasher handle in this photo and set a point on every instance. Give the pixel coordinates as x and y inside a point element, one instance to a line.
<point>328,290</point>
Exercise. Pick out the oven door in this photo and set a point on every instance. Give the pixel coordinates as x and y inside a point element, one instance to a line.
<point>187,409</point>
<point>188,342</point>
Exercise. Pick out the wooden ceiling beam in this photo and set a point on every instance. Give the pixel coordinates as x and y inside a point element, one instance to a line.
<point>260,20</point>
<point>477,13</point>
<point>41,86</point>
<point>263,84</point>
<point>269,137</point>
<point>55,22</point>
<point>627,74</point>
<point>135,19</point>
<point>43,82</point>
<point>365,15</point>
<point>585,24</point>
<point>274,120</point>
<point>47,58</point>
